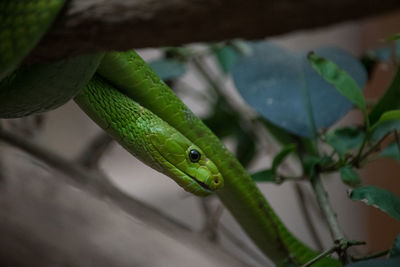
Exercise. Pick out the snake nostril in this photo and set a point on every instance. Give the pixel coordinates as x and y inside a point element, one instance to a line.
<point>216,180</point>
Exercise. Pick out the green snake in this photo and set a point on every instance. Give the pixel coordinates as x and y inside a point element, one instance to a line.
<point>161,131</point>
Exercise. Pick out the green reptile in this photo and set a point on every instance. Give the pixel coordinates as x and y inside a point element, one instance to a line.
<point>161,131</point>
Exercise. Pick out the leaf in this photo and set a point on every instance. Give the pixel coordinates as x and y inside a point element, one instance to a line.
<point>383,128</point>
<point>168,69</point>
<point>391,151</point>
<point>378,197</point>
<point>392,37</point>
<point>349,176</point>
<point>227,57</point>
<point>345,139</point>
<point>310,162</point>
<point>377,263</point>
<point>268,175</point>
<point>395,250</point>
<point>245,148</point>
<point>279,134</point>
<point>389,101</point>
<point>273,81</point>
<point>286,150</point>
<point>339,78</point>
<point>387,116</point>
<point>223,121</point>
<point>390,115</point>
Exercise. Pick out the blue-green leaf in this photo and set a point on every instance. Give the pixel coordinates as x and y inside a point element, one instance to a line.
<point>391,151</point>
<point>378,197</point>
<point>343,140</point>
<point>384,128</point>
<point>268,175</point>
<point>349,176</point>
<point>227,57</point>
<point>168,69</point>
<point>339,78</point>
<point>395,250</point>
<point>282,85</point>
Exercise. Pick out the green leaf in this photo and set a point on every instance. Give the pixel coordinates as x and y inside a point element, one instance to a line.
<point>395,250</point>
<point>310,162</point>
<point>342,81</point>
<point>378,197</point>
<point>391,151</point>
<point>392,37</point>
<point>390,115</point>
<point>345,139</point>
<point>389,101</point>
<point>349,176</point>
<point>286,150</point>
<point>168,69</point>
<point>383,128</point>
<point>268,175</point>
<point>227,57</point>
<point>246,147</point>
<point>223,121</point>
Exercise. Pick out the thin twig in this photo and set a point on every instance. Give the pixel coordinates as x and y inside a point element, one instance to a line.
<point>212,218</point>
<point>99,186</point>
<point>372,256</point>
<point>92,154</point>
<point>320,256</point>
<point>339,247</point>
<point>94,183</point>
<point>329,214</point>
<point>241,245</point>
<point>326,207</point>
<point>374,148</point>
<point>307,217</point>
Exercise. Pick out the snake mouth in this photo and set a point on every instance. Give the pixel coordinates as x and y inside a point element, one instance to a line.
<point>205,186</point>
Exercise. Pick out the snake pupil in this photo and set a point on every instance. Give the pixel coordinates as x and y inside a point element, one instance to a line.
<point>194,155</point>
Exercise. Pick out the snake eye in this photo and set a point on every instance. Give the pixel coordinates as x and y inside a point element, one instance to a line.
<point>194,155</point>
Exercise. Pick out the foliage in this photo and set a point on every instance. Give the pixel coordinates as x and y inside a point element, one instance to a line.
<point>298,98</point>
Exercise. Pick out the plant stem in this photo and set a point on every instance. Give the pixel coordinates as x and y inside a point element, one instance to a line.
<point>320,256</point>
<point>92,154</point>
<point>307,216</point>
<point>359,158</point>
<point>372,256</point>
<point>325,205</point>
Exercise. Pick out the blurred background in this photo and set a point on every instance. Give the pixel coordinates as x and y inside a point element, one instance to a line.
<point>67,130</point>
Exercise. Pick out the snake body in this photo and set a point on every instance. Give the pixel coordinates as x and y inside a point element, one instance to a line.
<point>161,130</point>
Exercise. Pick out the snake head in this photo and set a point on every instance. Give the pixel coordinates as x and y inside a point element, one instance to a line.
<point>186,163</point>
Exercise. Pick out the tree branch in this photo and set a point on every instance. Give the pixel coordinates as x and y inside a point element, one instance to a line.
<point>88,26</point>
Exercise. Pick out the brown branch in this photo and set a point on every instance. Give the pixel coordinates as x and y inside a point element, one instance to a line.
<point>88,26</point>
<point>93,152</point>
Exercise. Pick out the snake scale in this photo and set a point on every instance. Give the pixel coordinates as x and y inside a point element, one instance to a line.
<point>161,131</point>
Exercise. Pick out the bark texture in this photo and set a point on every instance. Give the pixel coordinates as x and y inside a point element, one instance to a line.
<point>88,26</point>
